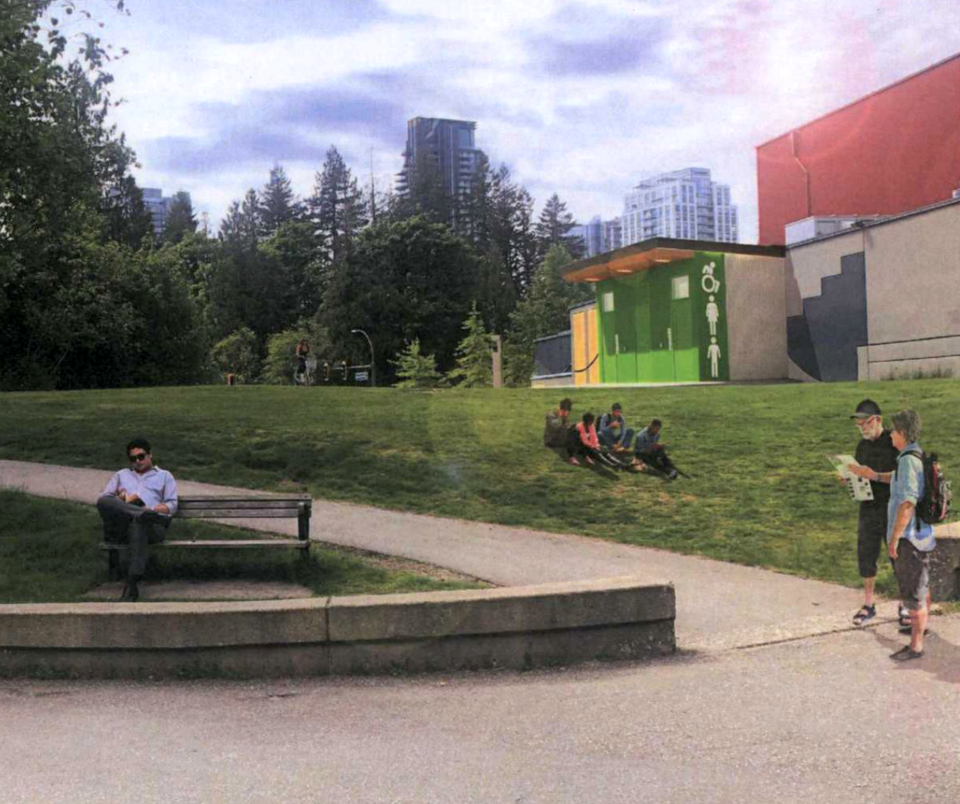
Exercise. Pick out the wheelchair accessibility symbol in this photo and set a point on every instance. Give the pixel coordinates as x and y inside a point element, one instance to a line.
<point>708,281</point>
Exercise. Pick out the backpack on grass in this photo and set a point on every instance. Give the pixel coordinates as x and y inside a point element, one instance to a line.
<point>934,505</point>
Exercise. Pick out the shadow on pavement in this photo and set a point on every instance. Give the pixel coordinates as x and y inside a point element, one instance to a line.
<point>941,657</point>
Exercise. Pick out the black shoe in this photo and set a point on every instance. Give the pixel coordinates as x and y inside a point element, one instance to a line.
<point>131,594</point>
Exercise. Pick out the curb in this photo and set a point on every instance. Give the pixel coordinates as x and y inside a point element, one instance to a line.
<point>521,627</point>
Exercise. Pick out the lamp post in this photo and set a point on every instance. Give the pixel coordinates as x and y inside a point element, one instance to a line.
<point>373,365</point>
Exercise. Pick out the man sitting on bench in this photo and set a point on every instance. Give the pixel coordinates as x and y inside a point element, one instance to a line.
<point>136,507</point>
<point>649,450</point>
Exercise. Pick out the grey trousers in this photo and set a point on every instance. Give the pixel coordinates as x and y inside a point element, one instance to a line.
<point>122,524</point>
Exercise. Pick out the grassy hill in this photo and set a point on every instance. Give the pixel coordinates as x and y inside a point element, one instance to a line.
<point>762,493</point>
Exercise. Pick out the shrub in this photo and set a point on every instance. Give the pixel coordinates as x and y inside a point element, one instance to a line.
<point>417,370</point>
<point>238,354</point>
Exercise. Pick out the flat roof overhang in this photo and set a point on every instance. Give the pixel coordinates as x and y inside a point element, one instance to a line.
<point>650,253</point>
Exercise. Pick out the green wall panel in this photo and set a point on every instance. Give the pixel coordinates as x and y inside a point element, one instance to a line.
<point>651,337</point>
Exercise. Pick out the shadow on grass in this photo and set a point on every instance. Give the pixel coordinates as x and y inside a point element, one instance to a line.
<point>49,554</point>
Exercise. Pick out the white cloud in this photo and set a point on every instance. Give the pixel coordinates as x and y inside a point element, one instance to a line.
<point>721,77</point>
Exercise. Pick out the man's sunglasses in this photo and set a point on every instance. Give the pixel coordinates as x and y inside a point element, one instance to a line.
<point>140,456</point>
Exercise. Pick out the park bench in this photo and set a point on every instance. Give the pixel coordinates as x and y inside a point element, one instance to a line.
<point>238,507</point>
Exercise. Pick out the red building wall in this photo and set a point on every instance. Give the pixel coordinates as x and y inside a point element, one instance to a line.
<point>892,151</point>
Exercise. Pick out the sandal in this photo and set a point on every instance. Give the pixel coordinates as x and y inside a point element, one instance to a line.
<point>906,629</point>
<point>866,613</point>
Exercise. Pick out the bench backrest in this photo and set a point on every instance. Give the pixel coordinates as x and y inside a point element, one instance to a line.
<point>248,507</point>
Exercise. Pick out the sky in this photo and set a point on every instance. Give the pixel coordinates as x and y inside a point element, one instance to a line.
<point>582,98</point>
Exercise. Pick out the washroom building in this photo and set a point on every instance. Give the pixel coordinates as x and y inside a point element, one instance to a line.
<point>670,310</point>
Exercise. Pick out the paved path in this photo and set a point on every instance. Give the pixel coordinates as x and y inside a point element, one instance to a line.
<point>719,606</point>
<point>822,721</point>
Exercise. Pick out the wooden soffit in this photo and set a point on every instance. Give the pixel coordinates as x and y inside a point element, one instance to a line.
<point>628,264</point>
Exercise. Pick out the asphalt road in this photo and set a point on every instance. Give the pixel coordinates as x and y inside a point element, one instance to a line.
<point>829,719</point>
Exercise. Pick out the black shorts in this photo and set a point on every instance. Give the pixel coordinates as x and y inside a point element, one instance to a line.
<point>871,535</point>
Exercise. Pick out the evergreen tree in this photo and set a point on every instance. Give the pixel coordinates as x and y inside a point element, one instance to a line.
<point>232,224</point>
<point>336,207</point>
<point>417,370</point>
<point>554,226</point>
<point>251,226</point>
<point>277,201</point>
<point>475,218</point>
<point>425,194</point>
<point>544,311</point>
<point>127,219</point>
<point>474,367</point>
<point>180,218</point>
<point>401,280</point>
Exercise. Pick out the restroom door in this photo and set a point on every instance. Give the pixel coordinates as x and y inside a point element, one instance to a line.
<point>662,368</point>
<point>686,355</point>
<point>626,334</point>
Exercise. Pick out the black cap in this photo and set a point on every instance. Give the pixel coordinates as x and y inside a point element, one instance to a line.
<point>615,406</point>
<point>866,409</point>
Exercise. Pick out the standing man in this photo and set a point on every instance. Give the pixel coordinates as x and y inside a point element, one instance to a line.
<point>136,507</point>
<point>877,457</point>
<point>910,540</point>
<point>613,431</point>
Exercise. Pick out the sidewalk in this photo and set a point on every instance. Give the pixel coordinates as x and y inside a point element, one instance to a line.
<point>719,606</point>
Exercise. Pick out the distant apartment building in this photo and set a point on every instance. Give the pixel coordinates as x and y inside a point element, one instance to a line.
<point>449,145</point>
<point>592,236</point>
<point>685,204</point>
<point>158,206</point>
<point>599,236</point>
<point>612,234</point>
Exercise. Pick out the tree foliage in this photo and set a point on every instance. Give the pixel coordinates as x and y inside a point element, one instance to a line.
<point>474,367</point>
<point>281,359</point>
<point>416,370</point>
<point>401,280</point>
<point>336,208</point>
<point>238,354</point>
<point>553,228</point>
<point>279,205</point>
<point>181,220</point>
<point>544,311</point>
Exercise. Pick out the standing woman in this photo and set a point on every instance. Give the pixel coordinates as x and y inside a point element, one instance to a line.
<point>303,350</point>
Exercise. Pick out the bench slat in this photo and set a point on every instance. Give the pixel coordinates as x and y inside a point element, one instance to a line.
<point>226,544</point>
<point>233,513</point>
<point>278,505</point>
<point>189,499</point>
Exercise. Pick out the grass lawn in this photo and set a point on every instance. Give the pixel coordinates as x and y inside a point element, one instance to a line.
<point>763,494</point>
<point>48,554</point>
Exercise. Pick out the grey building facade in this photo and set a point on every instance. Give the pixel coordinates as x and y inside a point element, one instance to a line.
<point>448,144</point>
<point>158,206</point>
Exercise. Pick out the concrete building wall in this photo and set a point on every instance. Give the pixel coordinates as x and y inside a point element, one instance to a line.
<point>756,317</point>
<point>877,302</point>
<point>807,265</point>
<point>913,293</point>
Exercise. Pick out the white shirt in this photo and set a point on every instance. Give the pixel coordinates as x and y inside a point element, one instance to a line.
<point>154,486</point>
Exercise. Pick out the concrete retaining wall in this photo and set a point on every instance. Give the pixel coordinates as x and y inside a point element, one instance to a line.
<point>521,627</point>
<point>945,563</point>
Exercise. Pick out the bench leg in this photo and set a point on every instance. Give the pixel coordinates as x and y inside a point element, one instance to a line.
<point>113,565</point>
